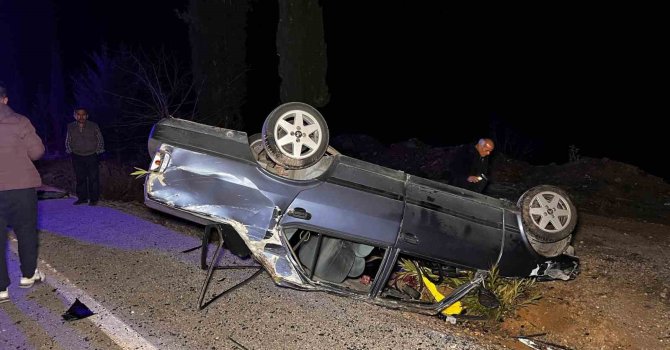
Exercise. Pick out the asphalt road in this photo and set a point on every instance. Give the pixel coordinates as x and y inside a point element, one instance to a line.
<point>143,291</point>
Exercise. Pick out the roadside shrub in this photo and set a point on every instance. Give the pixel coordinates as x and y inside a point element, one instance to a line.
<point>115,182</point>
<point>512,293</point>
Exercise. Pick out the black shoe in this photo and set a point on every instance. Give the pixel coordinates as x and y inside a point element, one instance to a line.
<point>92,203</point>
<point>79,201</point>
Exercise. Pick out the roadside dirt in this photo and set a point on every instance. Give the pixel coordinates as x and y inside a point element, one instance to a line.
<point>620,300</point>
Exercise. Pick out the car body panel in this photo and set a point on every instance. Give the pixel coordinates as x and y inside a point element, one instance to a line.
<point>437,216</point>
<point>209,175</point>
<point>349,213</point>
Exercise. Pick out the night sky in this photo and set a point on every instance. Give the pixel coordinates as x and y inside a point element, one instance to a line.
<point>588,76</point>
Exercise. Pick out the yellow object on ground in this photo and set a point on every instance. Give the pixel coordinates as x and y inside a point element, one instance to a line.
<point>454,309</point>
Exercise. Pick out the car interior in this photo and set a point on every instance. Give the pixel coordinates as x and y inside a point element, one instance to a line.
<point>334,261</point>
<point>353,266</point>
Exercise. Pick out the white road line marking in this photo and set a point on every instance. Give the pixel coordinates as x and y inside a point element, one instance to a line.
<point>122,334</point>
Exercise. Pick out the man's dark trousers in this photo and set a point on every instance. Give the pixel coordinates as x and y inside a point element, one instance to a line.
<point>18,209</point>
<point>87,175</point>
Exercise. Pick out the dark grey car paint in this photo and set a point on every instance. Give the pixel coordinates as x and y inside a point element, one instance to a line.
<point>213,177</point>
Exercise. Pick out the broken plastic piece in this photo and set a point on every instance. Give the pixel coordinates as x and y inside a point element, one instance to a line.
<point>541,345</point>
<point>77,311</point>
<point>564,267</point>
<point>454,309</point>
<point>450,319</point>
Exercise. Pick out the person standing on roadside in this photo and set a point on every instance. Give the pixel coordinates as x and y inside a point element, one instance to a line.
<point>84,142</point>
<point>19,147</point>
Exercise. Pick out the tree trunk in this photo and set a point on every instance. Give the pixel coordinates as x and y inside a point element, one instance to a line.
<point>302,52</point>
<point>218,51</point>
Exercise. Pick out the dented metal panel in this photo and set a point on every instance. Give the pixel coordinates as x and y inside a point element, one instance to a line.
<point>222,190</point>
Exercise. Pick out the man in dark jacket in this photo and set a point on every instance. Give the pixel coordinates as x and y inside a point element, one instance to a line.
<point>84,141</point>
<point>19,147</point>
<point>470,166</point>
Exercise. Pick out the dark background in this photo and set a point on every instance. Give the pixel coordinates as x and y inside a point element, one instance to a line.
<point>590,77</point>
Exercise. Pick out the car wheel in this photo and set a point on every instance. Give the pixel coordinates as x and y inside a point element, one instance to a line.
<point>256,144</point>
<point>547,213</point>
<point>295,135</point>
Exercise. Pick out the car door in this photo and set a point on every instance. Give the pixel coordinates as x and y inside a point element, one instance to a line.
<point>353,219</point>
<point>451,225</point>
<point>357,200</point>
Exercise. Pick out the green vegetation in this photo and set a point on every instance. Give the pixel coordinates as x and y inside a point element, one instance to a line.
<point>138,173</point>
<point>512,293</point>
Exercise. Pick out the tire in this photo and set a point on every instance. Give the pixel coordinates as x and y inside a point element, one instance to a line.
<point>295,135</point>
<point>254,139</point>
<point>256,144</point>
<point>547,213</point>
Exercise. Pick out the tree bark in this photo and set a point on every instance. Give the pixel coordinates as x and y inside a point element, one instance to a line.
<point>218,51</point>
<point>302,52</point>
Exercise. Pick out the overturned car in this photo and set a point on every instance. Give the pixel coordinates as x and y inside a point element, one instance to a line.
<point>319,220</point>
